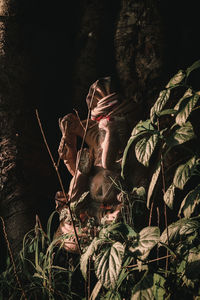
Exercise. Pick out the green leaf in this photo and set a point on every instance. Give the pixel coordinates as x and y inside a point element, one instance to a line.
<point>158,287</point>
<point>160,103</point>
<point>96,290</point>
<point>89,252</point>
<point>130,141</point>
<point>118,230</point>
<point>148,238</point>
<point>194,66</point>
<point>185,108</point>
<point>181,135</point>
<point>111,295</point>
<point>145,147</point>
<point>142,128</point>
<point>143,289</point>
<point>184,172</point>
<point>152,184</point>
<point>169,196</point>
<point>49,224</point>
<point>176,79</point>
<point>190,202</point>
<point>179,229</point>
<point>187,94</point>
<point>192,270</point>
<point>108,264</point>
<point>124,272</point>
<point>167,112</point>
<point>140,192</point>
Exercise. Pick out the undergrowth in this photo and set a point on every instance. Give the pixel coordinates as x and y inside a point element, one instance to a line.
<point>123,262</point>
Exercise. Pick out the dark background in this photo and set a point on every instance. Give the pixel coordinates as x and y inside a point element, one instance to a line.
<point>51,34</point>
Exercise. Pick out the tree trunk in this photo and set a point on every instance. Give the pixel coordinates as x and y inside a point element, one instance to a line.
<point>139,51</point>
<point>23,165</point>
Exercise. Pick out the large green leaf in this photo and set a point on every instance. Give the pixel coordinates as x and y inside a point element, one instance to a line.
<point>169,196</point>
<point>150,287</point>
<point>148,238</point>
<point>96,290</point>
<point>160,103</point>
<point>192,270</point>
<point>184,173</point>
<point>142,128</point>
<point>181,135</point>
<point>176,79</point>
<point>190,202</point>
<point>185,108</point>
<point>178,230</point>
<point>118,230</point>
<point>188,93</point>
<point>194,66</point>
<point>165,112</point>
<point>108,264</point>
<point>143,290</point>
<point>145,147</point>
<point>152,184</point>
<point>89,252</point>
<point>158,287</point>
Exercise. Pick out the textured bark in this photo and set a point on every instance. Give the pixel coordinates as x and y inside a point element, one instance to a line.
<point>21,162</point>
<point>139,49</point>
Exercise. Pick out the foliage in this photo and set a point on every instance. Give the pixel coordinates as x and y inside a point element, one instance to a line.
<point>124,262</point>
<point>170,136</point>
<point>36,268</point>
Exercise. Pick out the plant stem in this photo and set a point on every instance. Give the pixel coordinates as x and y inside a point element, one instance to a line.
<point>60,181</point>
<point>12,259</point>
<point>150,214</point>
<point>150,261</point>
<point>164,190</point>
<point>158,222</point>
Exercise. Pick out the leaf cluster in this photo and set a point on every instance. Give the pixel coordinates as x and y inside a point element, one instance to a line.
<point>176,138</point>
<point>127,263</point>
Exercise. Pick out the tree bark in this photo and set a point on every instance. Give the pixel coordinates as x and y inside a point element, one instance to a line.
<point>23,165</point>
<point>139,52</point>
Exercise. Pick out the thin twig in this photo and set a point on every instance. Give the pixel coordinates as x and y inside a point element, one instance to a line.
<point>60,181</point>
<point>150,261</point>
<point>79,118</point>
<point>158,223</point>
<point>83,141</point>
<point>12,259</point>
<point>150,214</point>
<point>164,190</point>
<point>88,279</point>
